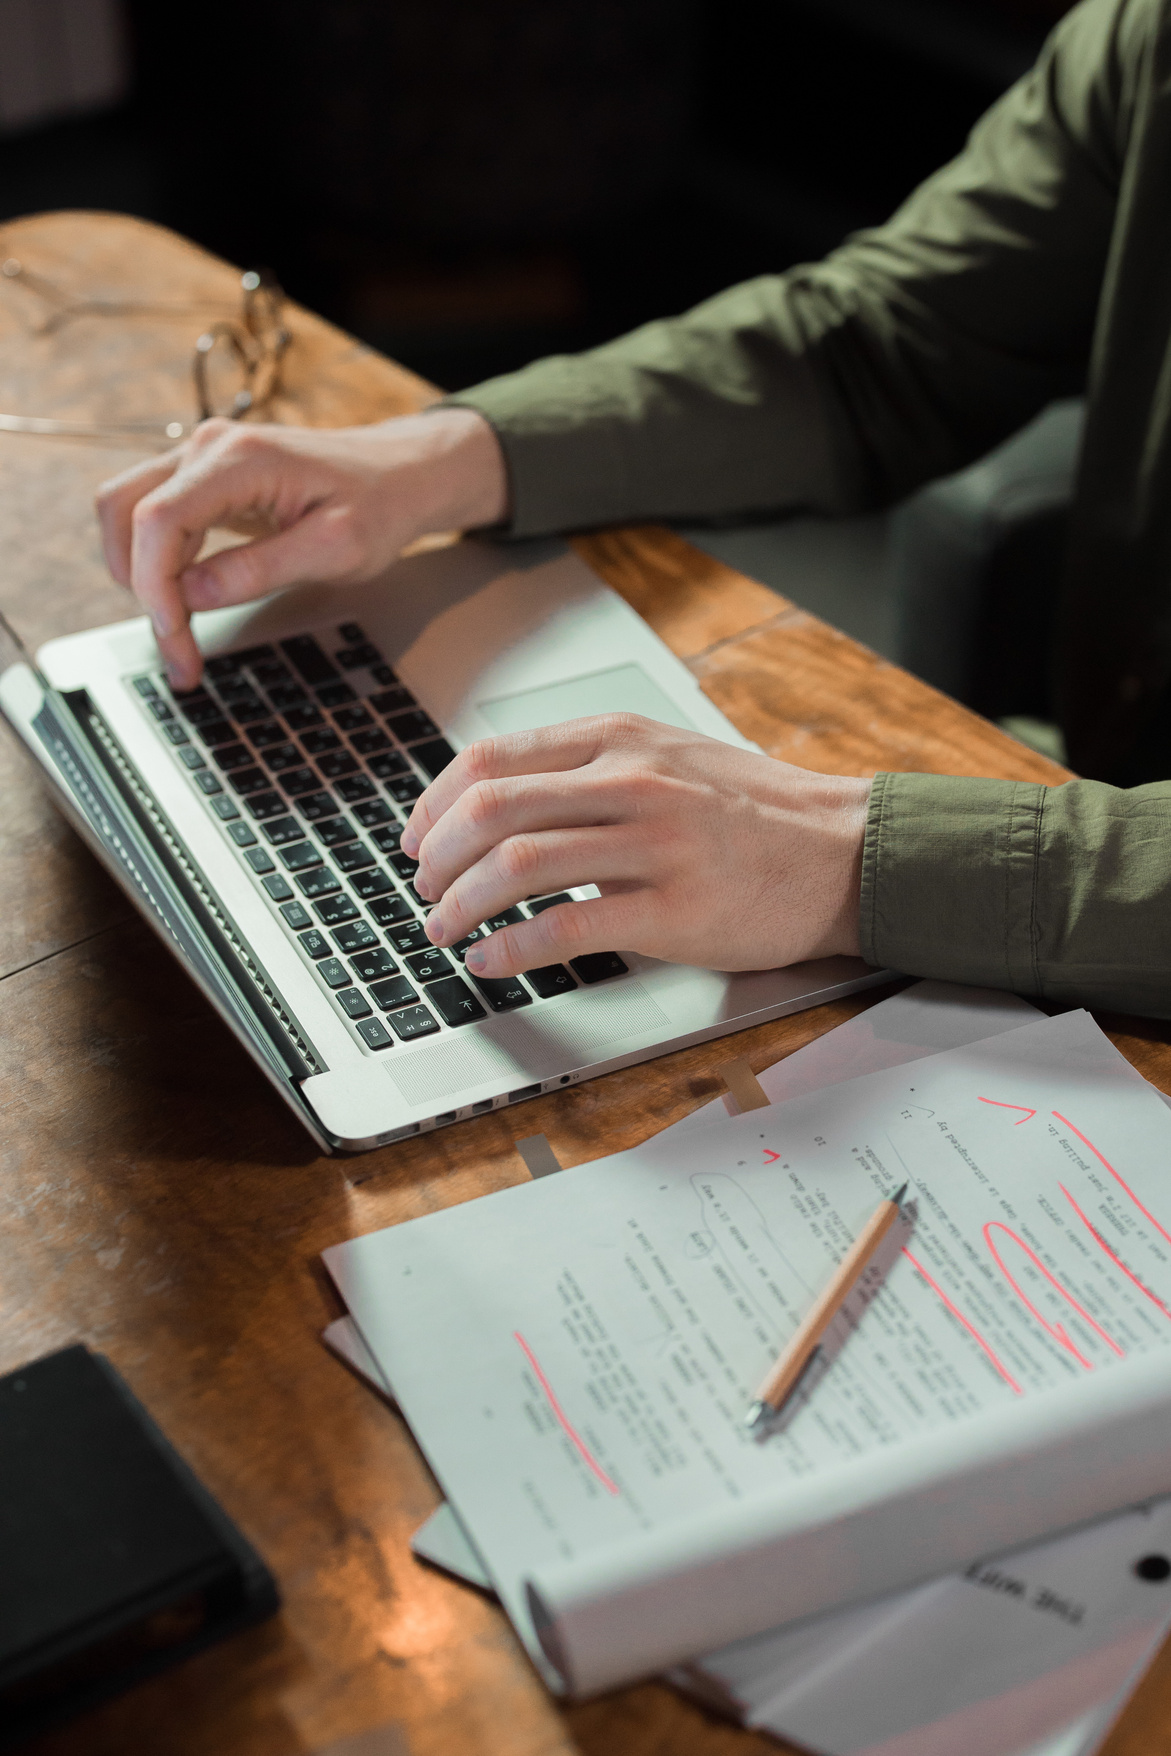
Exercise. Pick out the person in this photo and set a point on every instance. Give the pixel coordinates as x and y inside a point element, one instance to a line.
<point>1036,266</point>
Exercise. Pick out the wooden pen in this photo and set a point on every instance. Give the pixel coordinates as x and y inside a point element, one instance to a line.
<point>783,1377</point>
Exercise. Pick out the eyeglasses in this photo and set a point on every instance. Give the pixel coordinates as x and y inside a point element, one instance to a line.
<point>235,367</point>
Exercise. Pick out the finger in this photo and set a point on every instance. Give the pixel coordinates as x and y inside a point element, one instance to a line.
<point>574,929</point>
<point>492,811</point>
<point>550,749</point>
<point>316,547</point>
<point>115,502</point>
<point>534,865</point>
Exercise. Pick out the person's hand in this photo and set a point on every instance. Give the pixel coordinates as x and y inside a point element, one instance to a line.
<point>703,854</point>
<point>330,505</point>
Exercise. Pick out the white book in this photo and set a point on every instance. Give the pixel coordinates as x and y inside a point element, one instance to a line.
<point>956,1377</point>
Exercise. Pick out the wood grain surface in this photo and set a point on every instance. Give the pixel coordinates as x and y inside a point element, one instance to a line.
<point>160,1204</point>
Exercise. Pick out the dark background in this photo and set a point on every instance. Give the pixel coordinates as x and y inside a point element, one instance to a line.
<point>468,183</point>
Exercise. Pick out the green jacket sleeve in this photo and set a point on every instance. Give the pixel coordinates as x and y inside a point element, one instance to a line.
<point>1057,892</point>
<point>845,384</point>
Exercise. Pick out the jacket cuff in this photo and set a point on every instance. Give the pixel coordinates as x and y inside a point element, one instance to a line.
<point>949,874</point>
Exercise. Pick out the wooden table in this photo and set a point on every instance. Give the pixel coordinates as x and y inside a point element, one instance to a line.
<point>158,1201</point>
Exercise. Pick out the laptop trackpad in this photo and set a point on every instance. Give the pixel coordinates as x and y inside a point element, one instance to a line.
<point>622,689</point>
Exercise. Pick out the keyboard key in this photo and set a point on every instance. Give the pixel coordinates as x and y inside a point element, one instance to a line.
<point>241,835</point>
<point>307,659</point>
<point>224,808</point>
<point>297,915</point>
<point>462,946</point>
<point>397,991</point>
<point>404,865</point>
<point>260,860</point>
<point>409,937</point>
<point>262,737</point>
<point>255,655</point>
<point>335,909</point>
<point>387,839</point>
<point>455,1002</point>
<point>315,806</point>
<point>374,812</point>
<point>412,1021</point>
<point>335,694</point>
<point>299,719</point>
<point>393,700</point>
<point>384,675</point>
<point>245,706</point>
<point>229,756</point>
<point>353,658</point>
<point>315,944</point>
<point>409,726</point>
<point>375,1035</point>
<point>283,756</point>
<point>354,936</point>
<point>337,763</point>
<point>423,901</point>
<point>235,688</point>
<point>334,974</point>
<point>199,709</point>
<point>353,634</point>
<point>248,780</point>
<point>433,757</point>
<point>598,966</point>
<point>385,767</point>
<point>353,857</point>
<point>319,739</point>
<point>406,789</point>
<point>225,665</point>
<point>160,708</point>
<point>506,918</point>
<point>271,671</point>
<point>351,719</point>
<point>544,902</point>
<point>503,994</point>
<point>262,806</point>
<point>283,695</point>
<point>354,1003</point>
<point>318,883</point>
<point>300,856</point>
<point>283,829</point>
<point>216,732</point>
<point>299,781</point>
<point>428,966</point>
<point>207,782</point>
<point>278,888</point>
<point>190,757</point>
<point>174,733</point>
<point>370,965</point>
<point>334,830</point>
<point>370,741</point>
<point>145,686</point>
<point>354,788</point>
<point>369,884</point>
<point>551,979</point>
<point>387,910</point>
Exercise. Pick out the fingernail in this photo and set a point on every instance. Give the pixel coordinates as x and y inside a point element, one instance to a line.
<point>436,931</point>
<point>475,960</point>
<point>409,843</point>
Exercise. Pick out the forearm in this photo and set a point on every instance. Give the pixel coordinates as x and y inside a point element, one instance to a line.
<point>1061,892</point>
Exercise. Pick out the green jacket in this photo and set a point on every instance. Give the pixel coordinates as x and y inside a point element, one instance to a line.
<point>1036,265</point>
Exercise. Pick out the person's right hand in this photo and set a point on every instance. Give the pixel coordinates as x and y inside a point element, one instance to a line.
<point>319,505</point>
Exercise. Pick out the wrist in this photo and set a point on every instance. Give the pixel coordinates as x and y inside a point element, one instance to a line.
<point>845,806</point>
<point>464,478</point>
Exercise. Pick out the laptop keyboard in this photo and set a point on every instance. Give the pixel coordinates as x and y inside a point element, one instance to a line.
<point>310,756</point>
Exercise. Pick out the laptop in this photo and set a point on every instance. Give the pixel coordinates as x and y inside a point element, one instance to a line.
<point>255,822</point>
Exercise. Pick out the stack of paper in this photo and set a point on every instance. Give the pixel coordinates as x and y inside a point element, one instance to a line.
<point>590,1432</point>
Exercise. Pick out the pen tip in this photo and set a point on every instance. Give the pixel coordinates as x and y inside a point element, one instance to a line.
<point>899,1193</point>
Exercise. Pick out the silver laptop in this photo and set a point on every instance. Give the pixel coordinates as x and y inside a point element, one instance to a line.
<point>256,823</point>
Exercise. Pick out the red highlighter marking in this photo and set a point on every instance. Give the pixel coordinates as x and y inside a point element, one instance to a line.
<point>1113,1254</point>
<point>1003,1106</point>
<point>960,1318</point>
<point>770,1157</point>
<point>1162,1231</point>
<point>1057,1330</point>
<point>567,1428</point>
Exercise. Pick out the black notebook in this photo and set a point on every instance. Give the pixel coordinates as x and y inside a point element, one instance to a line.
<point>115,1560</point>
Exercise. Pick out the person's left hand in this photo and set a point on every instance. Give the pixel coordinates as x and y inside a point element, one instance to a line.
<point>703,853</point>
